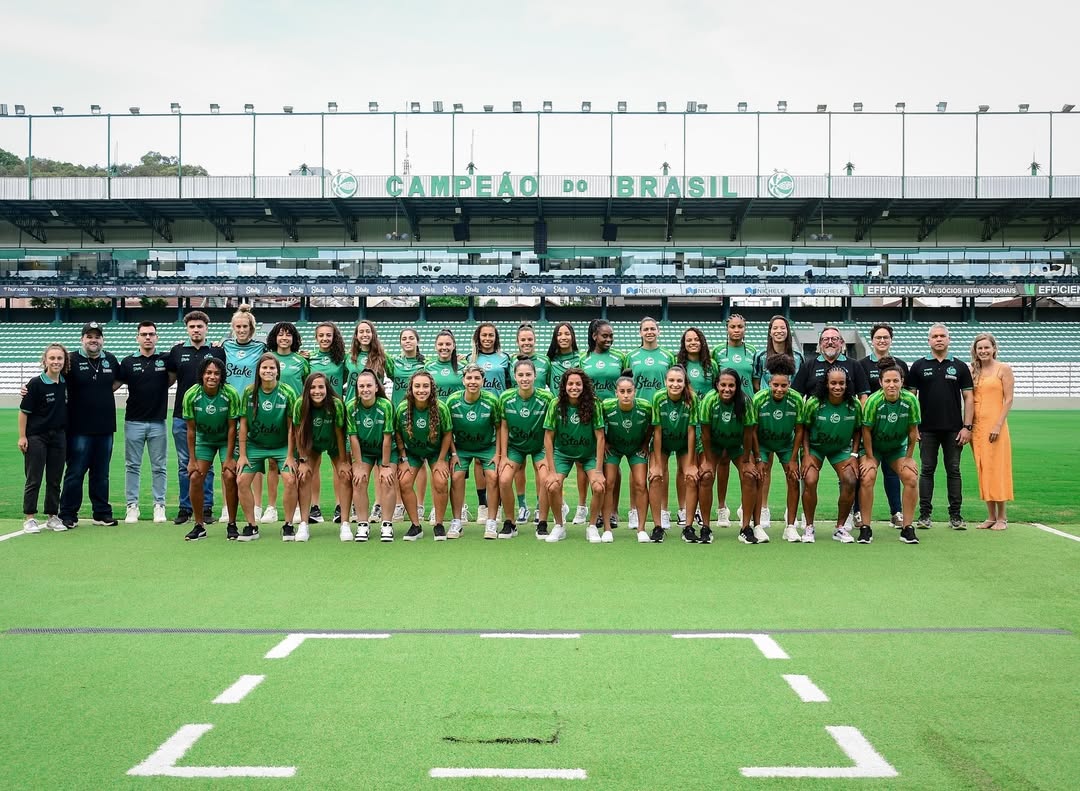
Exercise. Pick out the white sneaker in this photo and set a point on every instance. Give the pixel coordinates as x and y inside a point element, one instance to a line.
<point>723,517</point>
<point>682,517</point>
<point>224,518</point>
<point>259,513</point>
<point>760,534</point>
<point>481,515</point>
<point>581,515</point>
<point>455,529</point>
<point>499,515</point>
<point>643,537</point>
<point>665,520</point>
<point>399,512</point>
<point>387,533</point>
<point>296,517</point>
<point>464,513</point>
<point>269,514</point>
<point>431,515</point>
<point>791,534</point>
<point>739,513</point>
<point>523,515</point>
<point>31,526</point>
<point>363,530</point>
<point>491,529</point>
<point>842,535</point>
<point>632,519</point>
<point>345,534</point>
<point>132,514</point>
<point>592,535</point>
<point>565,511</point>
<point>159,513</point>
<point>856,519</point>
<point>303,534</point>
<point>766,518</point>
<point>808,534</point>
<point>898,520</point>
<point>558,533</point>
<point>849,523</point>
<point>607,537</point>
<point>376,513</point>
<point>56,524</point>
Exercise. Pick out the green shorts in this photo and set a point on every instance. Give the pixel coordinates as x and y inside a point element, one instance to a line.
<point>374,458</point>
<point>331,452</point>
<point>209,452</point>
<point>838,457</point>
<point>633,458</point>
<point>416,462</point>
<point>784,454</point>
<point>257,459</point>
<point>467,457</point>
<point>564,464</point>
<point>519,456</point>
<point>732,453</point>
<point>667,450</point>
<point>889,456</point>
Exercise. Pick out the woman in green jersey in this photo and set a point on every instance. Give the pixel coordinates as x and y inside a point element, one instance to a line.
<point>488,354</point>
<point>404,366</point>
<point>775,413</point>
<point>211,409</point>
<point>319,427</point>
<point>891,419</point>
<point>328,359</point>
<point>283,341</point>
<point>521,435</point>
<point>266,434</point>
<point>563,355</point>
<point>649,363</point>
<point>371,445</point>
<point>674,415</point>
<point>445,372</point>
<point>366,351</point>
<point>627,434</point>
<point>474,415</point>
<point>832,420</point>
<point>604,366</point>
<point>574,436</point>
<point>693,355</point>
<point>736,353</point>
<point>726,439</point>
<point>422,433</point>
<point>526,345</point>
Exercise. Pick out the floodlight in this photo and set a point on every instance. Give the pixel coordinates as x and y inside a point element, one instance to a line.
<point>822,108</point>
<point>489,108</point>
<point>174,107</point>
<point>1067,108</point>
<point>984,108</point>
<point>742,107</point>
<point>900,106</point>
<point>857,107</point>
<point>249,108</point>
<point>132,110</point>
<point>661,107</point>
<point>287,109</point>
<point>702,107</point>
<point>3,109</point>
<point>547,106</point>
<point>20,109</point>
<point>215,108</point>
<point>516,107</point>
<point>459,107</point>
<point>57,110</point>
<point>331,107</point>
<point>621,107</point>
<point>781,106</point>
<point>691,107</point>
<point>1024,107</point>
<point>436,107</point>
<point>373,107</point>
<point>941,106</point>
<point>414,107</point>
<point>95,109</point>
<point>586,107</point>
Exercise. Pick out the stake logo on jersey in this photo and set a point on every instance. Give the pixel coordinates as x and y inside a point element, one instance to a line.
<point>267,427</point>
<point>649,368</point>
<point>212,414</point>
<point>890,421</point>
<point>524,419</point>
<point>775,420</point>
<point>323,427</point>
<point>475,424</point>
<point>725,429</point>
<point>573,437</point>
<point>370,424</point>
<point>831,426</point>
<point>627,432</point>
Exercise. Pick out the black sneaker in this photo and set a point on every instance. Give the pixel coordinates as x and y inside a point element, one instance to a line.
<point>746,535</point>
<point>600,522</point>
<point>688,535</point>
<point>196,533</point>
<point>923,523</point>
<point>183,516</point>
<point>907,535</point>
<point>509,529</point>
<point>287,532</point>
<point>657,535</point>
<point>208,514</point>
<point>541,531</point>
<point>957,523</point>
<point>706,536</point>
<point>337,515</point>
<point>70,524</point>
<point>414,533</point>
<point>866,535</point>
<point>250,533</point>
<point>107,521</point>
<point>231,533</point>
<point>699,521</point>
<point>614,522</point>
<point>440,532</point>
<point>315,514</point>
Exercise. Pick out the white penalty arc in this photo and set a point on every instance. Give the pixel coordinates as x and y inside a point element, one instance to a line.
<point>162,762</point>
<point>528,774</point>
<point>769,648</point>
<point>294,641</point>
<point>868,761</point>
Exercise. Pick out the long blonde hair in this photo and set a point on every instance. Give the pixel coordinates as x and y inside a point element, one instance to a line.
<point>976,366</point>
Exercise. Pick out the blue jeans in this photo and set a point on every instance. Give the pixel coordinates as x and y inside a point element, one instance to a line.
<point>179,432</point>
<point>152,435</point>
<point>87,453</point>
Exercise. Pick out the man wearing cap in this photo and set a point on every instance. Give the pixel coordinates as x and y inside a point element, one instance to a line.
<point>91,427</point>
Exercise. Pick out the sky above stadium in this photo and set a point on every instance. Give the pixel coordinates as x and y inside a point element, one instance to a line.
<point>277,52</point>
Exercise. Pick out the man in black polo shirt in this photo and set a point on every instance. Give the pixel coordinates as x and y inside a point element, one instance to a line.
<point>944,386</point>
<point>831,348</point>
<point>183,362</point>
<point>148,384</point>
<point>881,338</point>
<point>91,380</point>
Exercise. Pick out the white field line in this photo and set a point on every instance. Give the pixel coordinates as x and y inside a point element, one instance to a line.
<point>868,762</point>
<point>162,762</point>
<point>806,689</point>
<point>294,641</point>
<point>530,774</point>
<point>530,636</point>
<point>6,536</point>
<point>768,647</point>
<point>238,691</point>
<point>1036,525</point>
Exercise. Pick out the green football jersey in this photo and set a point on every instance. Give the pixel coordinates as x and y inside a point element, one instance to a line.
<point>831,427</point>
<point>775,420</point>
<point>323,426</point>
<point>702,377</point>
<point>542,364</point>
<point>447,380</point>
<point>416,435</point>
<point>725,428</point>
<point>604,368</point>
<point>323,363</point>
<point>475,424</point>
<point>496,367</point>
<point>268,416</point>
<point>294,370</point>
<point>404,368</point>
<point>890,421</point>
<point>354,367</point>
<point>675,419</point>
<point>370,424</point>
<point>574,438</point>
<point>649,368</point>
<point>212,413</point>
<point>740,358</point>
<point>627,431</point>
<point>559,366</point>
<point>525,419</point>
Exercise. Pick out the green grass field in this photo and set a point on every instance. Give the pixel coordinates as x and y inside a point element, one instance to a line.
<point>954,662</point>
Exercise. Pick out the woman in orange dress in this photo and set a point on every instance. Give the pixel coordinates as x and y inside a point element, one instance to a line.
<point>990,439</point>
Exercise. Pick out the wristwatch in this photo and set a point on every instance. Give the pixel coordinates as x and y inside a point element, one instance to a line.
<point>969,426</point>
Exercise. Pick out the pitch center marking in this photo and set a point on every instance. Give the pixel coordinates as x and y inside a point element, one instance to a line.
<point>1054,532</point>
<point>868,762</point>
<point>238,691</point>
<point>162,762</point>
<point>768,647</point>
<point>294,641</point>
<point>531,774</point>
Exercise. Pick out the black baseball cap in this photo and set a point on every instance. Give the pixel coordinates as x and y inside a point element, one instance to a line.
<point>91,327</point>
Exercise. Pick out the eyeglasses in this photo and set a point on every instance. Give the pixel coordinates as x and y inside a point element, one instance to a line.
<point>832,339</point>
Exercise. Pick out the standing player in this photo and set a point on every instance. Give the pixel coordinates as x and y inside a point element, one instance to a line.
<point>405,365</point>
<point>604,366</point>
<point>627,433</point>
<point>495,363</point>
<point>329,360</point>
<point>521,435</point>
<point>701,370</point>
<point>283,341</point>
<point>736,353</point>
<point>371,438</point>
<point>242,354</point>
<point>674,412</point>
<point>526,344</point>
<point>563,355</point>
<point>475,417</point>
<point>211,409</point>
<point>422,433</point>
<point>649,363</point>
<point>727,437</point>
<point>319,423</point>
<point>366,351</point>
<point>446,374</point>
<point>42,418</point>
<point>881,338</point>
